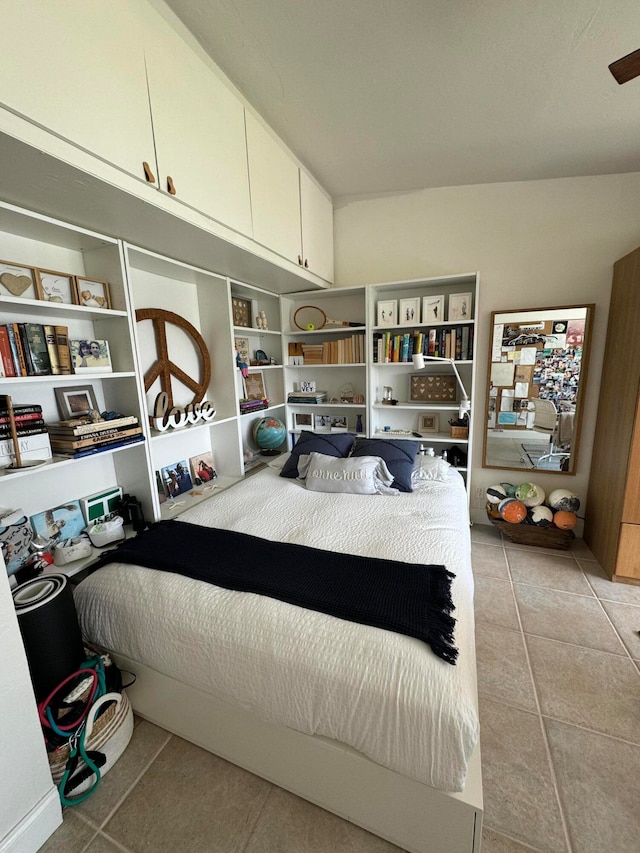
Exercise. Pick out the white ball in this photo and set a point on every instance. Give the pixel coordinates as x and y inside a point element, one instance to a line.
<point>495,494</point>
<point>531,494</point>
<point>542,516</point>
<point>563,499</point>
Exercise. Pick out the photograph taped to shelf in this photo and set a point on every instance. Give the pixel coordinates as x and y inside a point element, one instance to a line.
<point>432,309</point>
<point>56,287</point>
<point>409,311</point>
<point>177,478</point>
<point>303,420</point>
<point>203,468</point>
<point>90,356</point>
<point>76,401</point>
<point>92,293</point>
<point>388,312</point>
<point>61,522</point>
<point>241,311</point>
<point>428,423</point>
<point>17,280</point>
<point>254,388</point>
<point>459,307</point>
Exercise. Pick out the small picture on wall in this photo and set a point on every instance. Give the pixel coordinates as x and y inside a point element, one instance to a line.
<point>409,312</point>
<point>459,307</point>
<point>176,478</point>
<point>203,469</point>
<point>92,293</point>
<point>432,309</point>
<point>388,312</point>
<point>61,522</point>
<point>17,280</point>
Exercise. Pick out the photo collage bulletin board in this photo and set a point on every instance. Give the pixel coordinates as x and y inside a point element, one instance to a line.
<point>529,360</point>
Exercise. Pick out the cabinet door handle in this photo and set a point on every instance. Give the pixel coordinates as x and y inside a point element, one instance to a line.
<point>306,264</point>
<point>300,260</point>
<point>170,187</point>
<point>148,173</point>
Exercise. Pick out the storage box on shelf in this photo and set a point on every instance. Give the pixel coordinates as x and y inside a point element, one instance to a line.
<point>433,317</point>
<point>328,358</point>
<point>32,240</point>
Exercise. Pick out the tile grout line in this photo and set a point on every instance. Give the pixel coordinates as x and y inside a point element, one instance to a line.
<point>545,739</point>
<point>608,618</point>
<point>512,838</point>
<point>113,841</point>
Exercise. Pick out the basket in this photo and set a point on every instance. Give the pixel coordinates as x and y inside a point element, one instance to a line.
<point>459,432</point>
<point>529,534</point>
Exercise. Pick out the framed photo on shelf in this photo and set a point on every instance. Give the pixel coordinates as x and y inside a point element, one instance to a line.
<point>90,356</point>
<point>17,280</point>
<point>459,307</point>
<point>203,468</point>
<point>177,478</point>
<point>92,293</point>
<point>339,423</point>
<point>242,348</point>
<point>241,309</point>
<point>432,309</point>
<point>56,287</point>
<point>61,522</point>
<point>409,312</point>
<point>387,312</point>
<point>303,420</point>
<point>308,386</point>
<point>322,423</point>
<point>428,423</point>
<point>75,402</point>
<point>254,388</point>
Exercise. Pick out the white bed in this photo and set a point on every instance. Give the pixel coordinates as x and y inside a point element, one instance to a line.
<point>301,697</point>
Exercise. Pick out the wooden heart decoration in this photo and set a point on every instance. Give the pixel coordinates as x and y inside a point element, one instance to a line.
<point>15,284</point>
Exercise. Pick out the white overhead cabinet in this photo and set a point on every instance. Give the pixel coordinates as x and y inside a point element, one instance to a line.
<point>316,211</point>
<point>275,192</point>
<point>77,69</point>
<point>199,132</point>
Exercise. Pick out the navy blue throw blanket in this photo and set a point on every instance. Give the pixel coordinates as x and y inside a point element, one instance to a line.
<point>403,597</point>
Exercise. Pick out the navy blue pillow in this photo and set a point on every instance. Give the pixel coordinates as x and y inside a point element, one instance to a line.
<point>331,444</point>
<point>400,456</point>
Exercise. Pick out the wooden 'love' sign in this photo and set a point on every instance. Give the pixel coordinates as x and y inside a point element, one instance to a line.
<point>163,368</point>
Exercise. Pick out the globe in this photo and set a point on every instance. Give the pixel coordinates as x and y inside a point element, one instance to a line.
<point>269,434</point>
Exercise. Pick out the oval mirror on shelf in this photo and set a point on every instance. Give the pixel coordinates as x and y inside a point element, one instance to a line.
<point>538,363</point>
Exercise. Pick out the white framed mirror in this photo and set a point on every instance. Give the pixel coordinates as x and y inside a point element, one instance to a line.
<point>538,360</point>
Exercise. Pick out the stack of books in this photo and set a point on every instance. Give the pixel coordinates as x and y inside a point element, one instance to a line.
<point>247,406</point>
<point>349,350</point>
<point>76,439</point>
<point>33,437</point>
<point>306,397</point>
<point>30,349</point>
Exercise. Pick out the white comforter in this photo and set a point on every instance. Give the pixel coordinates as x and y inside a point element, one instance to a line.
<point>384,694</point>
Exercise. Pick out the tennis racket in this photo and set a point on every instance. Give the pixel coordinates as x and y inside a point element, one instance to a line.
<point>310,317</point>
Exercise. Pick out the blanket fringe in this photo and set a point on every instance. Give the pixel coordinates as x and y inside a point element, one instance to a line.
<point>441,623</point>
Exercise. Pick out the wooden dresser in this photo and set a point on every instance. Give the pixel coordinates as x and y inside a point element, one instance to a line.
<point>612,521</point>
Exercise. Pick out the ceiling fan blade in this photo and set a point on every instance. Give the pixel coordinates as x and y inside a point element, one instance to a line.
<point>627,68</point>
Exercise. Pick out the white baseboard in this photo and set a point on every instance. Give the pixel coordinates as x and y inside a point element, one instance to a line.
<point>35,827</point>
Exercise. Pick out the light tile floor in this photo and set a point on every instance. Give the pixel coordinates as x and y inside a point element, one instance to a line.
<point>559,684</point>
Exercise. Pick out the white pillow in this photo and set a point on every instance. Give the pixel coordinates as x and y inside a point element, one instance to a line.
<point>430,468</point>
<point>278,462</point>
<point>356,475</point>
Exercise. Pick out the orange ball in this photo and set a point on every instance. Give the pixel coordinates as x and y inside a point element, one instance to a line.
<point>512,510</point>
<point>565,520</point>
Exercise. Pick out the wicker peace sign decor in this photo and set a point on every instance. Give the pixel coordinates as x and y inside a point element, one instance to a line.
<point>163,368</point>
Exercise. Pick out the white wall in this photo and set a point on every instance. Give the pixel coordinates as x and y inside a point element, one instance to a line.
<point>29,804</point>
<point>534,244</point>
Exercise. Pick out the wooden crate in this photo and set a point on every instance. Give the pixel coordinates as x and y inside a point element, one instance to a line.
<point>530,534</point>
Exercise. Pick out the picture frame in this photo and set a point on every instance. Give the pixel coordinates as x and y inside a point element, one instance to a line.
<point>176,478</point>
<point>92,293</point>
<point>460,305</point>
<point>308,386</point>
<point>59,287</point>
<point>303,420</point>
<point>428,422</point>
<point>339,423</point>
<point>322,423</point>
<point>241,309</point>
<point>18,280</point>
<point>203,469</point>
<point>387,312</point>
<point>241,345</point>
<point>409,312</point>
<point>61,522</point>
<point>432,388</point>
<point>75,401</point>
<point>90,356</point>
<point>433,309</point>
<point>161,488</point>
<point>254,387</point>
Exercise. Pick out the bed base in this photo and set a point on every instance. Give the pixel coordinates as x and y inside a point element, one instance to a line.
<point>416,817</point>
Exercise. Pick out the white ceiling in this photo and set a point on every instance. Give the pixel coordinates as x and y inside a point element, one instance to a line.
<point>393,95</point>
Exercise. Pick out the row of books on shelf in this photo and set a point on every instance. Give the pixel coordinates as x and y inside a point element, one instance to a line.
<point>253,405</point>
<point>31,349</point>
<point>76,439</point>
<point>33,437</point>
<point>350,350</point>
<point>455,343</point>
